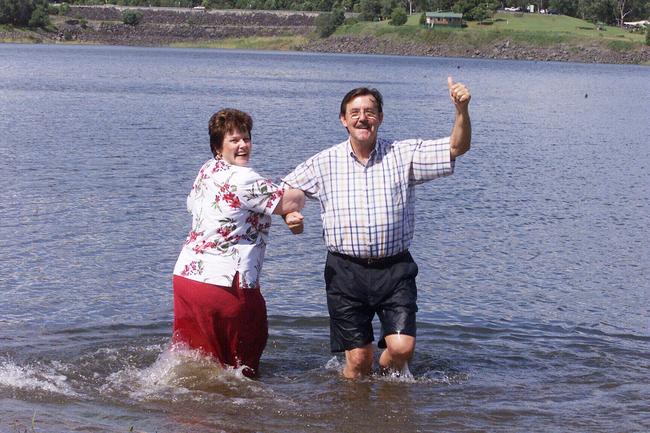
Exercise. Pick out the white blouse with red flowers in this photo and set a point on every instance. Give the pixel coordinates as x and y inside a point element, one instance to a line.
<point>231,210</point>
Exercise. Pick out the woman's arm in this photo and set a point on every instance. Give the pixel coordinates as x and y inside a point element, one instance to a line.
<point>292,200</point>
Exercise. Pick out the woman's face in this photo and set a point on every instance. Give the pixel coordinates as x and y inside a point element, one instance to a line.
<point>237,147</point>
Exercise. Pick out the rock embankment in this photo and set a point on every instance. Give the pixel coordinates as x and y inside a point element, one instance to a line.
<point>164,26</point>
<point>503,49</point>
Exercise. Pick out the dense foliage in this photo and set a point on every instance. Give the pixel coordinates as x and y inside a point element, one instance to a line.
<point>33,13</point>
<point>326,23</point>
<point>613,12</point>
<point>131,17</point>
<point>606,11</point>
<point>398,17</point>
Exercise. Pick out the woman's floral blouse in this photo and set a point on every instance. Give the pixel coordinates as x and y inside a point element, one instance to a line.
<point>231,210</point>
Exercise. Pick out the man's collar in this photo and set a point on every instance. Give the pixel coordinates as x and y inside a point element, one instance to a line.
<point>373,152</point>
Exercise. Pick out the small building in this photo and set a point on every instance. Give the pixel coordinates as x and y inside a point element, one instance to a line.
<point>448,19</point>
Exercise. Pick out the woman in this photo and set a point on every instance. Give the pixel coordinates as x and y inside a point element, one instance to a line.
<point>218,306</point>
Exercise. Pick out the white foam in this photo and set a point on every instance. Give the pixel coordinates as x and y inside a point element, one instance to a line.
<point>34,377</point>
<point>177,370</point>
<point>334,364</point>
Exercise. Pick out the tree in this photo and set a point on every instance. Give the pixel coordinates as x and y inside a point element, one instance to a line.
<point>131,17</point>
<point>39,17</point>
<point>398,17</point>
<point>647,35</point>
<point>369,10</point>
<point>564,7</point>
<point>480,13</point>
<point>16,12</point>
<point>326,23</point>
<point>622,10</point>
<point>338,16</point>
<point>386,8</point>
<point>597,10</point>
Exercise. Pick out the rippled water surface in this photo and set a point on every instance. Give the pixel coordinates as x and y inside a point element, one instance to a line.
<point>534,256</point>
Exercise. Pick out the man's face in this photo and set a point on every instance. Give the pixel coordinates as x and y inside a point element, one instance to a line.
<point>362,119</point>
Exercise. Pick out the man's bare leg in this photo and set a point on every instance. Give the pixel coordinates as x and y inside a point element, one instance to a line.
<point>399,351</point>
<point>358,362</point>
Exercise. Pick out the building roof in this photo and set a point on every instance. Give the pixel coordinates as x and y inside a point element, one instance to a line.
<point>444,15</point>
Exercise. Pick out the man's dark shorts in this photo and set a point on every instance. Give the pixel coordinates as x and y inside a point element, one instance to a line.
<point>356,290</point>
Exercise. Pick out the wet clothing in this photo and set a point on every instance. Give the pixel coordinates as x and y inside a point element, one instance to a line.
<point>227,323</point>
<point>359,289</point>
<point>368,212</point>
<point>218,307</point>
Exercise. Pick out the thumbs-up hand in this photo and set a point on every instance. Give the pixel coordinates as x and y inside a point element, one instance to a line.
<point>459,94</point>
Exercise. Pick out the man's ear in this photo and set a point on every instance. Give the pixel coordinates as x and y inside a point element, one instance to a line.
<point>343,121</point>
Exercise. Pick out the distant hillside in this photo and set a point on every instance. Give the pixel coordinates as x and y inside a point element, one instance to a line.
<point>506,36</point>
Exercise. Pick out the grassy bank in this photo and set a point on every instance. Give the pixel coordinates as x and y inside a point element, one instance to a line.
<point>534,29</point>
<point>278,43</point>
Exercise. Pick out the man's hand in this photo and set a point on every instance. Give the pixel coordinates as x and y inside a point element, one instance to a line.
<point>295,222</point>
<point>461,133</point>
<point>459,94</point>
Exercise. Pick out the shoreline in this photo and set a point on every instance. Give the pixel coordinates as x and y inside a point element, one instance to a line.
<point>289,31</point>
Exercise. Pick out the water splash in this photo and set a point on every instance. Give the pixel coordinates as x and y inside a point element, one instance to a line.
<point>35,377</point>
<point>404,375</point>
<point>334,364</point>
<point>179,371</point>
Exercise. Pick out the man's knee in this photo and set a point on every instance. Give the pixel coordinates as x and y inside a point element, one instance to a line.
<point>400,346</point>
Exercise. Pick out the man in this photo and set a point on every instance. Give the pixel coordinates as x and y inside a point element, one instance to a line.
<point>365,186</point>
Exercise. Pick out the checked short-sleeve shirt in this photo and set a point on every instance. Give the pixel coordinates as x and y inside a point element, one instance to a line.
<point>368,210</point>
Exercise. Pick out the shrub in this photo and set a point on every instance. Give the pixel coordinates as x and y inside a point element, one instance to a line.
<point>64,9</point>
<point>338,16</point>
<point>647,35</point>
<point>423,19</point>
<point>39,17</point>
<point>327,23</point>
<point>131,17</point>
<point>398,17</point>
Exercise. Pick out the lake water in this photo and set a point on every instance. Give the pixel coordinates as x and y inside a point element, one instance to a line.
<point>534,284</point>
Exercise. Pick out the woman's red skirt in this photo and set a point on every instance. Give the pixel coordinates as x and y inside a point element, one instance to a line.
<point>228,323</point>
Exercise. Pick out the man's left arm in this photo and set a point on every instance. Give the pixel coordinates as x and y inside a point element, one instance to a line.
<point>461,133</point>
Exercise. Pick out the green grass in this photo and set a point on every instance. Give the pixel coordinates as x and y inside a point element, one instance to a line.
<point>21,35</point>
<point>535,29</point>
<point>570,27</point>
<point>280,43</point>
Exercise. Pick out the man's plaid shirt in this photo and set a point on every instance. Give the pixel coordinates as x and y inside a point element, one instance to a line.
<point>369,211</point>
